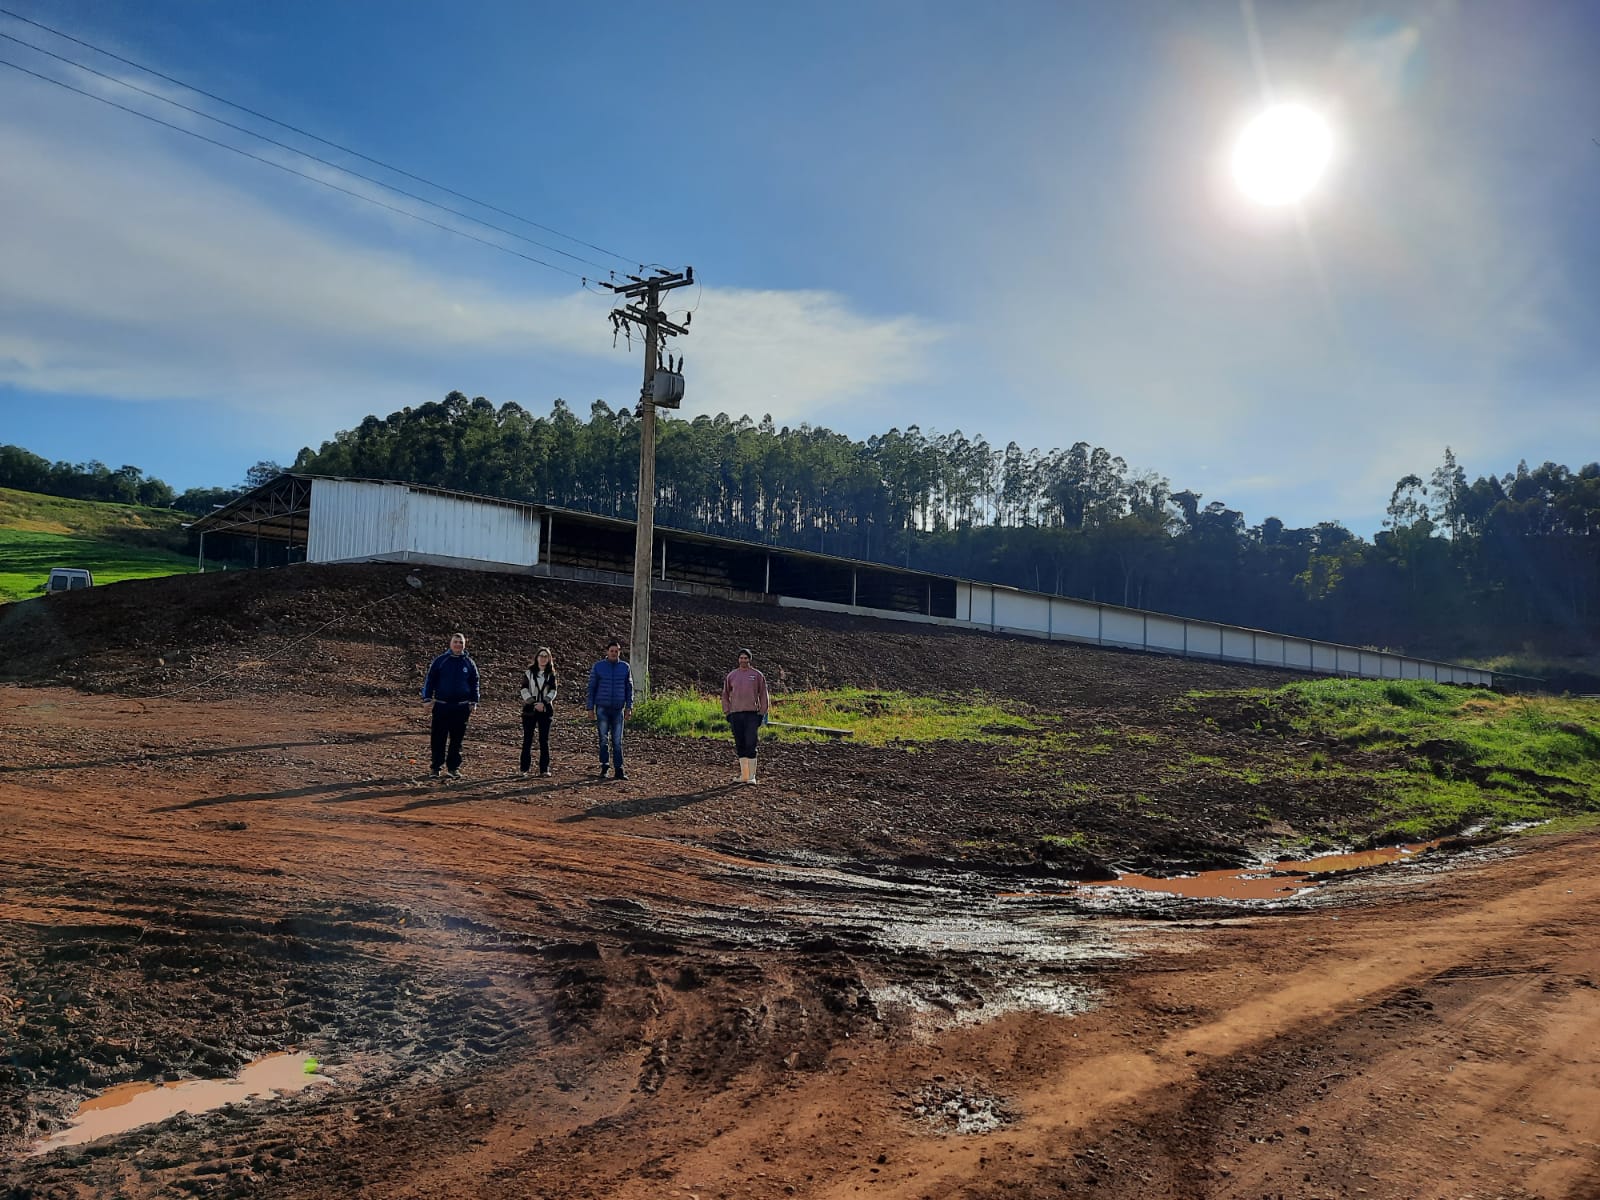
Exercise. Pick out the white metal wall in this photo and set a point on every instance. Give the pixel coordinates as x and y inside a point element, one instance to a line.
<point>357,522</point>
<point>1057,618</point>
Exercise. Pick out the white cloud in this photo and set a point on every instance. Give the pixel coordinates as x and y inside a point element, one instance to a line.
<point>137,270</point>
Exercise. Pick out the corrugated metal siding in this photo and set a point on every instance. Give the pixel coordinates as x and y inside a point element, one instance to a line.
<point>354,521</point>
<point>361,521</point>
<point>462,529</point>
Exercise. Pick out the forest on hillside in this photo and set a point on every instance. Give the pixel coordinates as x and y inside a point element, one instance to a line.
<point>1486,566</point>
<point>1496,565</point>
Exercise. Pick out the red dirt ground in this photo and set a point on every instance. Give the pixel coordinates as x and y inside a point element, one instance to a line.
<point>676,987</point>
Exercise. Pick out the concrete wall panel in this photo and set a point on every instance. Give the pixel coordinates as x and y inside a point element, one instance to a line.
<point>1022,610</point>
<point>1119,627</point>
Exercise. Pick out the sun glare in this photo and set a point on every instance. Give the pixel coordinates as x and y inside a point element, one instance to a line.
<point>1281,154</point>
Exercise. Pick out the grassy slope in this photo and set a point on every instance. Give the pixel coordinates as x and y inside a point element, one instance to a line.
<point>1445,759</point>
<point>1434,759</point>
<point>115,541</point>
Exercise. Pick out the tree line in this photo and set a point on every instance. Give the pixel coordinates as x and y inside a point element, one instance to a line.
<point>94,480</point>
<point>1501,562</point>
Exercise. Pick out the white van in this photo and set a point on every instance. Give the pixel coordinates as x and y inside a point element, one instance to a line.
<point>68,579</point>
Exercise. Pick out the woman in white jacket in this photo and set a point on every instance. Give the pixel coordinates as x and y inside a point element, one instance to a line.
<point>539,684</point>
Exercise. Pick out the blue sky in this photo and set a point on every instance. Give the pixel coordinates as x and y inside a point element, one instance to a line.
<point>1016,220</point>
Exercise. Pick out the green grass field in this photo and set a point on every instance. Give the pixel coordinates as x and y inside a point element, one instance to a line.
<point>115,541</point>
<point>873,718</point>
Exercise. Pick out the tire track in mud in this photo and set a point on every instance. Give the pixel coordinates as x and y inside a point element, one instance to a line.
<point>162,979</point>
<point>1375,1074</point>
<point>157,981</point>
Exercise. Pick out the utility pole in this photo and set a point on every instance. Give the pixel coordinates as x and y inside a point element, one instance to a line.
<point>664,389</point>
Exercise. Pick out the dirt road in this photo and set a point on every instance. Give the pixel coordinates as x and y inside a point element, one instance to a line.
<point>675,987</point>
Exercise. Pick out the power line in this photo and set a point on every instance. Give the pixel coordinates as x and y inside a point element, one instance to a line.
<point>314,137</point>
<point>455,212</point>
<point>299,174</point>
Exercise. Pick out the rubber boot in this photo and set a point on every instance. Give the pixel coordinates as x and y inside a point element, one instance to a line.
<point>750,771</point>
<point>744,771</point>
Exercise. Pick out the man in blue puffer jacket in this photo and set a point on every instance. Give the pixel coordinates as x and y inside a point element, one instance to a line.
<point>610,699</point>
<point>452,688</point>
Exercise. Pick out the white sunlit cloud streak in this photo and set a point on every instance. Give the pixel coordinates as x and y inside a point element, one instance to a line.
<point>142,269</point>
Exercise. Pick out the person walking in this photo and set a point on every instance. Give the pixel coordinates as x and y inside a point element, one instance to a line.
<point>745,703</point>
<point>610,700</point>
<point>538,710</point>
<point>452,689</point>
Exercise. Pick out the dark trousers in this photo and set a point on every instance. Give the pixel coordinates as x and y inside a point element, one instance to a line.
<point>608,723</point>
<point>540,721</point>
<point>744,726</point>
<point>449,726</point>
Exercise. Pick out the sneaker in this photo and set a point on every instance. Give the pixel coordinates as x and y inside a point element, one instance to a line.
<point>621,774</point>
<point>455,774</point>
<point>522,774</point>
<point>605,770</point>
<point>433,773</point>
<point>544,774</point>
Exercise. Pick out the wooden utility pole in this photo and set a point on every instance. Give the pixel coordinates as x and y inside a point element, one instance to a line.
<point>663,388</point>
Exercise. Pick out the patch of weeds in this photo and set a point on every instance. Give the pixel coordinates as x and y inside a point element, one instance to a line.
<point>1065,843</point>
<point>1072,792</point>
<point>1426,808</point>
<point>1043,754</point>
<point>682,714</point>
<point>1474,757</point>
<point>1576,823</point>
<point>873,718</point>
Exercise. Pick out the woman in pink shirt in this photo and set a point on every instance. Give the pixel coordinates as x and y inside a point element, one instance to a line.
<point>745,702</point>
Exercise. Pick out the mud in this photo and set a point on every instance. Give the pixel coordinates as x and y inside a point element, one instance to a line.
<point>674,987</point>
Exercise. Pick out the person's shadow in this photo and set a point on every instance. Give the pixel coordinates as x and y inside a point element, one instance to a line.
<point>645,806</point>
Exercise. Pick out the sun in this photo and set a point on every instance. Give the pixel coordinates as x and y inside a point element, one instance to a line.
<point>1281,154</point>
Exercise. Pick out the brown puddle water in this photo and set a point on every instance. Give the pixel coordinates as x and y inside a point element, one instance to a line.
<point>1272,881</point>
<point>130,1105</point>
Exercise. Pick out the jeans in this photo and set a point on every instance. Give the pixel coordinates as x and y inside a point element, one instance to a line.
<point>531,722</point>
<point>608,722</point>
<point>744,726</point>
<point>449,727</point>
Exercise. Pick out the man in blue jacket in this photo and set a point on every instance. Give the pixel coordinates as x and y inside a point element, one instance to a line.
<point>610,699</point>
<point>452,688</point>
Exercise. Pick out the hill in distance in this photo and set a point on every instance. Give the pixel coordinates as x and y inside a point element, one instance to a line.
<point>115,541</point>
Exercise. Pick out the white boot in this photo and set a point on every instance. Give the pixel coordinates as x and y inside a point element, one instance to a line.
<point>744,771</point>
<point>750,775</point>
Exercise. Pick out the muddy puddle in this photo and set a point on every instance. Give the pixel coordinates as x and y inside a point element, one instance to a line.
<point>132,1105</point>
<point>942,949</point>
<point>1270,881</point>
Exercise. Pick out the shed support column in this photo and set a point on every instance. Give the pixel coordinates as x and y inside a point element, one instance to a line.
<point>663,558</point>
<point>202,552</point>
<point>767,587</point>
<point>852,587</point>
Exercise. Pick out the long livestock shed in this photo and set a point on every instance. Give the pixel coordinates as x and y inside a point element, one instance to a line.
<point>311,518</point>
